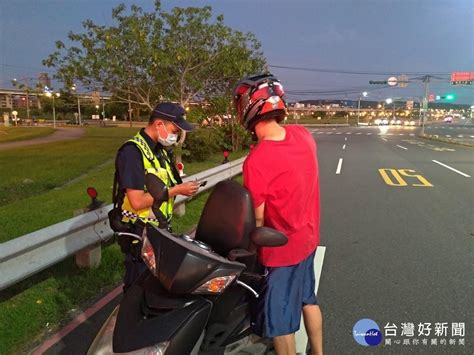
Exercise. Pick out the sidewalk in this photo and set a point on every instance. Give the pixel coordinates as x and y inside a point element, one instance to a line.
<point>60,134</point>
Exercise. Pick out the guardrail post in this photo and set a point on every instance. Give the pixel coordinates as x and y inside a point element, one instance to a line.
<point>180,210</point>
<point>89,257</point>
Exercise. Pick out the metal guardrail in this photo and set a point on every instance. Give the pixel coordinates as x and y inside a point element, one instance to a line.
<point>27,255</point>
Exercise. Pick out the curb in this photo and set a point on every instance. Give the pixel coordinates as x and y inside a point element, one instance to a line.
<point>445,140</point>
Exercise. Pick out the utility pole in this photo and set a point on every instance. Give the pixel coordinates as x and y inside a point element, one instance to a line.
<point>426,83</point>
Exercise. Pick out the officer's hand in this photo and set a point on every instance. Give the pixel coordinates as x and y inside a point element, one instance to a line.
<point>188,188</point>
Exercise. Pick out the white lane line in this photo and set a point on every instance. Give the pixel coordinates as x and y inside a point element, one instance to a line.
<point>448,135</point>
<point>344,146</point>
<point>339,133</point>
<point>399,146</point>
<point>301,337</point>
<point>471,136</point>
<point>339,166</point>
<point>369,134</point>
<point>320,133</point>
<point>345,138</point>
<point>359,133</point>
<point>329,133</point>
<point>401,134</point>
<point>450,168</point>
<point>349,133</point>
<point>412,134</point>
<point>460,136</point>
<point>385,139</point>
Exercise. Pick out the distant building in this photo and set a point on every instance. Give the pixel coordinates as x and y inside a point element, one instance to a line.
<point>44,80</point>
<point>14,98</point>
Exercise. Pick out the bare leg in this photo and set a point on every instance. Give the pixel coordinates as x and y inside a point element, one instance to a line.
<point>313,322</point>
<point>285,344</point>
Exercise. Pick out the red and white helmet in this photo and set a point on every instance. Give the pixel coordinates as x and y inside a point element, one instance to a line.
<point>258,98</point>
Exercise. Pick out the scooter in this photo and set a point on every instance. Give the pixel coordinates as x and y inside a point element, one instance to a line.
<point>195,297</point>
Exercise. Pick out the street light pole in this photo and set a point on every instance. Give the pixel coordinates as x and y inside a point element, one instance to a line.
<point>54,114</point>
<point>364,94</point>
<point>74,88</point>
<point>79,110</point>
<point>53,95</point>
<point>426,82</point>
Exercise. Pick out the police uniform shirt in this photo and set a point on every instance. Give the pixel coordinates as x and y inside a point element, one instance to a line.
<point>130,164</point>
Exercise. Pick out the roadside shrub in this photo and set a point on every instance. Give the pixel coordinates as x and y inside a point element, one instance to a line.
<point>200,143</point>
<point>233,136</point>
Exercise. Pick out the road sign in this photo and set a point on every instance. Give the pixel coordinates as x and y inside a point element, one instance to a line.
<point>378,82</point>
<point>462,78</point>
<point>392,81</point>
<point>431,98</point>
<point>410,104</point>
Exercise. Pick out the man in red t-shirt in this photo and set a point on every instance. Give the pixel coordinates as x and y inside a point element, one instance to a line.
<point>282,176</point>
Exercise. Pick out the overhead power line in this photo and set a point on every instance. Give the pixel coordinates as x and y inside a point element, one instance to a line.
<point>44,69</point>
<point>353,72</point>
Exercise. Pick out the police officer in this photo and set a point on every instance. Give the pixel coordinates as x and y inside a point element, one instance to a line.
<point>148,180</point>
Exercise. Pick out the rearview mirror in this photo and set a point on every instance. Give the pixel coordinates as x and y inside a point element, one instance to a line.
<point>268,237</point>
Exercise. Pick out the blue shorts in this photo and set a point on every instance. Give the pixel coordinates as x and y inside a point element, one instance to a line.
<point>283,293</point>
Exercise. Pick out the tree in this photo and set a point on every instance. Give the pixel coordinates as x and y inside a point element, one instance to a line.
<point>183,55</point>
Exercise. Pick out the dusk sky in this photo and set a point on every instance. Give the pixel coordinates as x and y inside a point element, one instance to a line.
<point>380,36</point>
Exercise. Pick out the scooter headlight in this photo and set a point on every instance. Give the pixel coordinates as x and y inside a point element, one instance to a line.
<point>216,285</point>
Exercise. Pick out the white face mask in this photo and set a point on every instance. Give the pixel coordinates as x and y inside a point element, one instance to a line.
<point>170,139</point>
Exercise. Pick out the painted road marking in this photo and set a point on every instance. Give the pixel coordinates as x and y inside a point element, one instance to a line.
<point>339,133</point>
<point>428,146</point>
<point>329,133</point>
<point>471,136</point>
<point>345,138</point>
<point>399,181</point>
<point>339,166</point>
<point>359,133</point>
<point>369,134</point>
<point>448,135</point>
<point>81,318</point>
<point>460,135</point>
<point>399,146</point>
<point>344,146</point>
<point>385,139</point>
<point>412,134</point>
<point>301,337</point>
<point>451,168</point>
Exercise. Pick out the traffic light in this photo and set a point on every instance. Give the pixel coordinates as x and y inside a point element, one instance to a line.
<point>447,97</point>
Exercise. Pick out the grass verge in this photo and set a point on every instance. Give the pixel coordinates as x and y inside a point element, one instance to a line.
<point>32,170</point>
<point>11,134</point>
